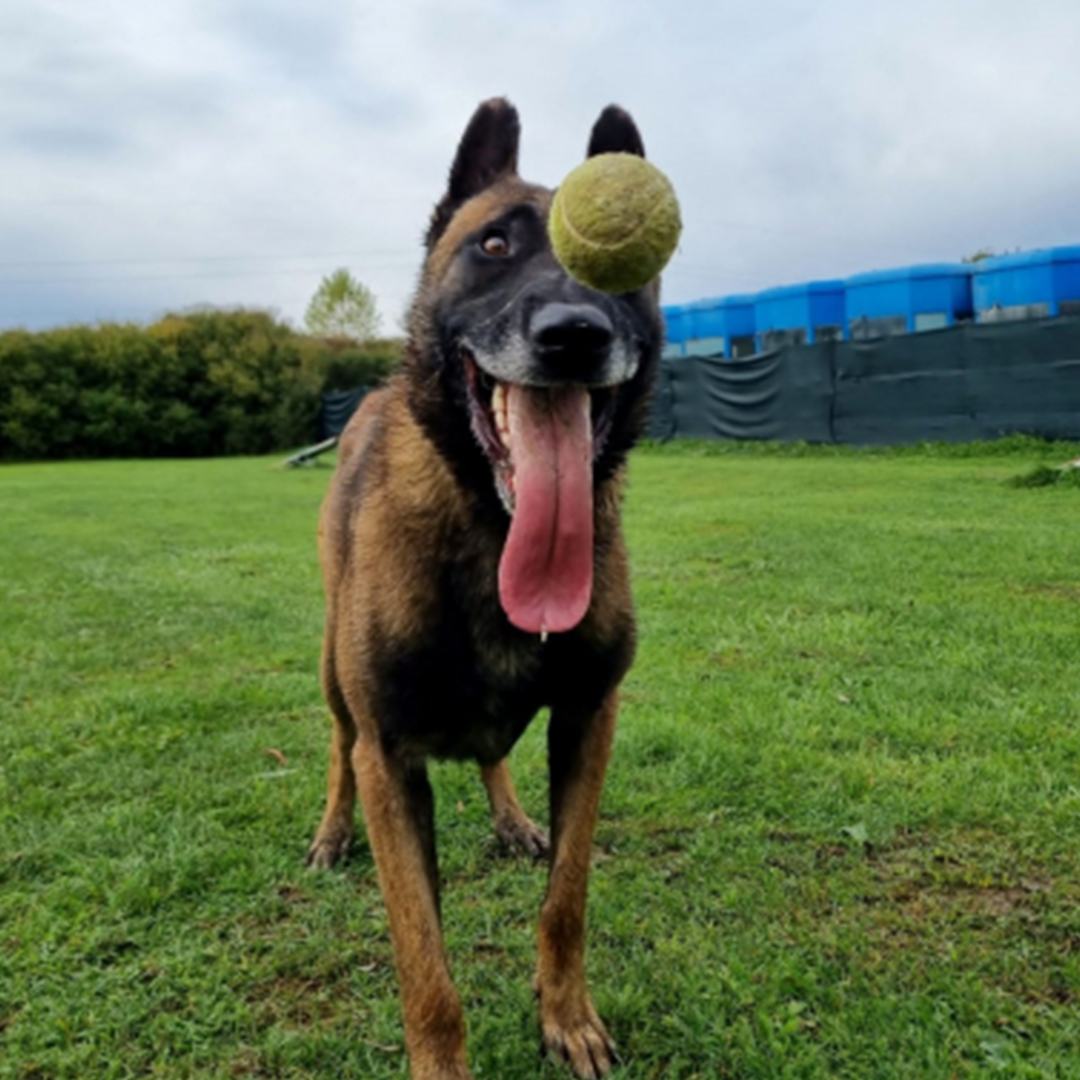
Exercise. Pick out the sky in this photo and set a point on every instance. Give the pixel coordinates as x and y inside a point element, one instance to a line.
<point>170,154</point>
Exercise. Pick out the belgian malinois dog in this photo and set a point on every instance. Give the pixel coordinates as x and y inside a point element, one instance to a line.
<point>475,573</point>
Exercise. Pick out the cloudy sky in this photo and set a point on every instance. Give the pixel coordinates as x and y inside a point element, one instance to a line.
<point>161,154</point>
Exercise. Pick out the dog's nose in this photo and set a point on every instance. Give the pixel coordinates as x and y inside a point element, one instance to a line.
<point>571,338</point>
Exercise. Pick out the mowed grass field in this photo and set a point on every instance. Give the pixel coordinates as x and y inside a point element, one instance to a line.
<point>840,837</point>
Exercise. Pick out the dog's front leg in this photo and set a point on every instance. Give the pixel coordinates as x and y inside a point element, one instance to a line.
<point>399,815</point>
<point>578,750</point>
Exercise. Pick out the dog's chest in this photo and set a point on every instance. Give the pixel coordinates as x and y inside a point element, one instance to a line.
<point>460,694</point>
<point>459,681</point>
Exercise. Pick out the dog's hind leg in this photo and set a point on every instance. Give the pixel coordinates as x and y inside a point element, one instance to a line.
<point>578,750</point>
<point>398,811</point>
<point>514,828</point>
<point>334,835</point>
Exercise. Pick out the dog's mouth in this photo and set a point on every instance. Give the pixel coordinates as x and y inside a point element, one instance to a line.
<point>542,442</point>
<point>489,417</point>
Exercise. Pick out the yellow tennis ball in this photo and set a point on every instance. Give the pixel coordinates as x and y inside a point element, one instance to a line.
<point>615,222</point>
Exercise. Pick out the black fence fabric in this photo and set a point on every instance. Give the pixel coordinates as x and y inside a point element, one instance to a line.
<point>783,394</point>
<point>337,409</point>
<point>955,385</point>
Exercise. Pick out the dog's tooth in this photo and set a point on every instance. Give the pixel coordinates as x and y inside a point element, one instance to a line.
<point>500,408</point>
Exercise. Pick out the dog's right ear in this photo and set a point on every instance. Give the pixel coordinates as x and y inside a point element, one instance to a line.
<point>615,133</point>
<point>487,152</point>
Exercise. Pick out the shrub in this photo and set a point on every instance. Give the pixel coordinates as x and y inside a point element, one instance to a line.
<point>197,384</point>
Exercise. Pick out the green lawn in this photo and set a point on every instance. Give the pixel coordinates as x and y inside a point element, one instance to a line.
<point>841,833</point>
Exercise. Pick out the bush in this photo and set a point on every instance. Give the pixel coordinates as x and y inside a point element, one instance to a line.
<point>200,384</point>
<point>343,364</point>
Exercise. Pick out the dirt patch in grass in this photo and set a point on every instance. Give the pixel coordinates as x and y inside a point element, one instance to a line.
<point>963,903</point>
<point>297,1001</point>
<point>1064,591</point>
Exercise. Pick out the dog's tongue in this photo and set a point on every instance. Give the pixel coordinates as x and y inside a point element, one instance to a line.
<point>546,571</point>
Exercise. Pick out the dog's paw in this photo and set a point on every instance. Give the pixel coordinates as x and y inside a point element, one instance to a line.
<point>580,1039</point>
<point>328,848</point>
<point>522,836</point>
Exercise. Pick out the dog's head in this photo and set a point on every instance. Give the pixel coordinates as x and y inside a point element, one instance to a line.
<point>533,385</point>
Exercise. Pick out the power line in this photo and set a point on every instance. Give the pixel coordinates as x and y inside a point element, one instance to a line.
<point>33,263</point>
<point>121,279</point>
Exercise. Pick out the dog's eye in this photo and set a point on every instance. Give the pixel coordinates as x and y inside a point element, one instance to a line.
<point>495,244</point>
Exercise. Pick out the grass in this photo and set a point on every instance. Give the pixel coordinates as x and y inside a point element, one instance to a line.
<point>841,830</point>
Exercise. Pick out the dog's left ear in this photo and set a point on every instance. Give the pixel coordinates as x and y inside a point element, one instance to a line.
<point>488,151</point>
<point>615,133</point>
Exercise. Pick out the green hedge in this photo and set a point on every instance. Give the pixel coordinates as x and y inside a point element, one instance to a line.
<point>200,384</point>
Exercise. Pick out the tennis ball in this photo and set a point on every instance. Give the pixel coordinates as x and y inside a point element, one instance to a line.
<point>615,222</point>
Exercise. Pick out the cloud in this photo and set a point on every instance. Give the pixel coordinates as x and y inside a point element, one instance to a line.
<point>158,156</point>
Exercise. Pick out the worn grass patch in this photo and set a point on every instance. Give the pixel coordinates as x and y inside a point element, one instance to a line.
<point>841,835</point>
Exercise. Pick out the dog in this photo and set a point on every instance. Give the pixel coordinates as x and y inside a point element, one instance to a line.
<point>475,573</point>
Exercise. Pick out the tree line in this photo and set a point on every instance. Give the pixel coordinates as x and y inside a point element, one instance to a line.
<point>197,384</point>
